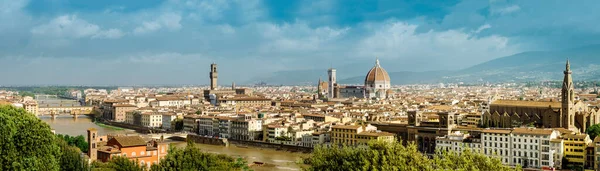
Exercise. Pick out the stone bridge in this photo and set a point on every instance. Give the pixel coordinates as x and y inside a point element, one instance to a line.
<point>62,110</point>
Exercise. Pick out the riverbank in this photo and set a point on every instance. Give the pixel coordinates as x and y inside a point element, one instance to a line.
<point>109,126</point>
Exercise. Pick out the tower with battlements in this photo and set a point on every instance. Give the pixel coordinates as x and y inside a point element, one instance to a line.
<point>213,76</point>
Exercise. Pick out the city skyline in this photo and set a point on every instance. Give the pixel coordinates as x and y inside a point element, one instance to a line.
<point>173,42</point>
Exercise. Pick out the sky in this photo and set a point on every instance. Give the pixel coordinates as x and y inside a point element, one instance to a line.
<point>143,42</point>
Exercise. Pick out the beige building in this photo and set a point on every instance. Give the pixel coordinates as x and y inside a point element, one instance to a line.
<point>151,120</point>
<point>246,102</point>
<point>31,107</point>
<point>120,111</point>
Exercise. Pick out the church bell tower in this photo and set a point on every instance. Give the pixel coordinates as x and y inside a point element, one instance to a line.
<point>568,100</point>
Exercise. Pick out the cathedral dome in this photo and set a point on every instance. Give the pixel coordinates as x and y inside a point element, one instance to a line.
<point>377,74</point>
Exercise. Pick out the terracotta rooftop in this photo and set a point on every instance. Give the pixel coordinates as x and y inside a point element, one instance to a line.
<point>526,103</point>
<point>376,134</point>
<point>529,131</point>
<point>346,126</point>
<point>497,131</point>
<point>580,136</point>
<point>124,105</point>
<point>130,141</point>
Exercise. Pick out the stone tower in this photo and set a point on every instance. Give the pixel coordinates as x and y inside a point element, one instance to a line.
<point>319,91</point>
<point>568,98</point>
<point>332,81</point>
<point>92,134</point>
<point>213,76</point>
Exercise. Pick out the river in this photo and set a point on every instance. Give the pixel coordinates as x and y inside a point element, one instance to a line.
<point>281,159</point>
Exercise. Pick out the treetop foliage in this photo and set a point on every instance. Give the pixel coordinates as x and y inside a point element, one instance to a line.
<point>593,131</point>
<point>384,156</point>
<point>26,142</point>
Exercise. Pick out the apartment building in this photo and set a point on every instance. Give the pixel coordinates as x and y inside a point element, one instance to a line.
<point>167,120</point>
<point>457,142</point>
<point>120,110</point>
<point>224,127</point>
<point>357,134</point>
<point>190,123</point>
<point>531,147</point>
<point>133,148</point>
<point>497,142</point>
<point>246,129</point>
<point>575,149</point>
<point>205,125</point>
<point>274,131</point>
<point>151,120</point>
<point>320,138</point>
<point>246,102</point>
<point>31,107</point>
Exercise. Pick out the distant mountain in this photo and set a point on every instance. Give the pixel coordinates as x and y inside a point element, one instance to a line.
<point>535,66</point>
<point>526,66</point>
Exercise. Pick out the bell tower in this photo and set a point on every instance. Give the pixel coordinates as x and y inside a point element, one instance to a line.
<point>92,134</point>
<point>332,82</point>
<point>568,100</point>
<point>213,76</point>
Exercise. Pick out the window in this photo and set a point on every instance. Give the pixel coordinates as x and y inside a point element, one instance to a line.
<point>132,154</point>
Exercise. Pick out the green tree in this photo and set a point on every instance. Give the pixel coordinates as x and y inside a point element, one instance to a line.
<point>117,164</point>
<point>468,160</point>
<point>177,124</point>
<point>379,155</point>
<point>191,158</point>
<point>71,157</point>
<point>26,142</point>
<point>78,141</point>
<point>26,93</point>
<point>593,131</point>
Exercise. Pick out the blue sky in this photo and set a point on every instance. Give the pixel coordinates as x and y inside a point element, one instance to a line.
<point>174,41</point>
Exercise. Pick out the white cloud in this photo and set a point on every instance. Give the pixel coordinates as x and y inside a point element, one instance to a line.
<point>298,37</point>
<point>170,21</point>
<point>483,27</point>
<point>507,10</point>
<point>400,41</point>
<point>71,26</point>
<point>227,29</point>
<point>109,34</point>
<point>158,58</point>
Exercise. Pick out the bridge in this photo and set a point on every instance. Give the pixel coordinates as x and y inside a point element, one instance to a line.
<point>64,110</point>
<point>180,136</point>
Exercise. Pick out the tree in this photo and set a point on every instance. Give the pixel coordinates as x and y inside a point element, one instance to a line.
<point>118,164</point>
<point>177,124</point>
<point>78,141</point>
<point>468,160</point>
<point>593,131</point>
<point>71,157</point>
<point>26,93</point>
<point>380,155</point>
<point>26,142</point>
<point>191,158</point>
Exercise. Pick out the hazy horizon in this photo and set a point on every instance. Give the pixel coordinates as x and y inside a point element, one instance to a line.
<point>172,42</point>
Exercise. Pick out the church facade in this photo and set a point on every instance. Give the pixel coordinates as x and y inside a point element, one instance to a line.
<point>569,113</point>
<point>376,85</point>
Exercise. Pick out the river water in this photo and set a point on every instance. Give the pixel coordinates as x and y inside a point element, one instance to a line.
<point>281,159</point>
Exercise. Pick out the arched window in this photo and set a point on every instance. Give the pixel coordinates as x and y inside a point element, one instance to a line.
<point>142,153</point>
<point>132,154</point>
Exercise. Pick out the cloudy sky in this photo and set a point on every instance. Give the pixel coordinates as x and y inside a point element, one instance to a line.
<point>174,41</point>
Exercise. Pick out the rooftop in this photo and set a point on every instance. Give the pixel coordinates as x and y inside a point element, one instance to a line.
<point>526,103</point>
